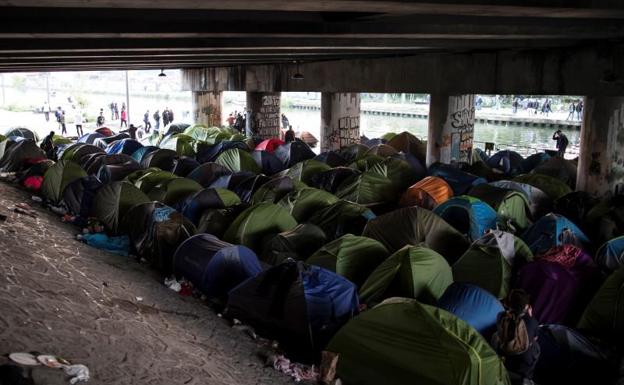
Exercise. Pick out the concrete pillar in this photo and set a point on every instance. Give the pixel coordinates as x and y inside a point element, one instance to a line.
<point>601,160</point>
<point>340,120</point>
<point>451,128</point>
<point>207,108</point>
<point>264,117</point>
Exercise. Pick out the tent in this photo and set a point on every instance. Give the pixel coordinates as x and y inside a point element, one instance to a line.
<point>142,151</point>
<point>161,158</point>
<point>96,161</point>
<point>237,160</point>
<point>353,152</point>
<point>299,305</point>
<point>305,171</point>
<point>90,138</point>
<point>208,198</point>
<point>402,341</point>
<point>368,188</point>
<point>468,215</point>
<point>32,179</point>
<point>231,181</point>
<point>58,177</point>
<point>539,202</point>
<point>17,157</point>
<point>331,158</point>
<point>268,163</point>
<point>7,143</point>
<point>123,146</point>
<point>610,255</point>
<point>207,173</point>
<point>156,231</point>
<point>79,195</point>
<point>490,262</point>
<point>575,206</point>
<point>269,145</point>
<point>399,171</point>
<point>213,266</point>
<point>506,161</point>
<point>180,143</point>
<point>329,180</point>
<point>273,190</point>
<point>303,203</point>
<point>511,206</point>
<point>113,200</point>
<point>217,221</point>
<point>148,180</point>
<point>105,141</point>
<point>604,316</point>
<point>559,168</point>
<point>294,152</point>
<point>211,153</point>
<point>461,182</point>
<point>553,187</point>
<point>342,217</point>
<point>177,128</point>
<point>22,132</point>
<point>173,191</point>
<point>350,256</point>
<point>532,161</point>
<point>553,230</point>
<point>117,171</point>
<point>605,220</point>
<point>472,304</point>
<point>256,222</point>
<point>298,244</point>
<point>247,187</point>
<point>427,193</point>
<point>79,150</point>
<point>412,272</point>
<point>105,131</point>
<point>307,138</point>
<point>183,165</point>
<point>413,225</point>
<point>382,150</point>
<point>409,144</point>
<point>152,139</point>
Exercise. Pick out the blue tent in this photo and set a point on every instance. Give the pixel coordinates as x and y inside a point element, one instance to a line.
<point>246,188</point>
<point>553,230</point>
<point>142,151</point>
<point>90,138</point>
<point>300,305</point>
<point>474,305</point>
<point>468,215</point>
<point>183,165</point>
<point>268,162</point>
<point>294,152</point>
<point>611,255</point>
<point>209,198</point>
<point>533,161</point>
<point>211,153</point>
<point>123,146</point>
<point>482,155</point>
<point>214,266</point>
<point>205,174</point>
<point>509,162</point>
<point>461,182</point>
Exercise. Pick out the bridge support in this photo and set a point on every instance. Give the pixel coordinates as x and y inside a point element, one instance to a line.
<point>207,107</point>
<point>451,128</point>
<point>340,120</point>
<point>263,118</point>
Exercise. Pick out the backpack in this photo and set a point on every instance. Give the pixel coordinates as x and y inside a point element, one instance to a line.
<point>512,335</point>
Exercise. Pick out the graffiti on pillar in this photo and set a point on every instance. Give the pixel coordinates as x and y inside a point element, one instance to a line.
<point>267,119</point>
<point>212,115</point>
<point>460,131</point>
<point>348,130</point>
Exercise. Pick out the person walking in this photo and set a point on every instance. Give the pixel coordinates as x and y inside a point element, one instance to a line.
<point>156,121</point>
<point>572,110</point>
<point>78,122</point>
<point>63,126</point>
<point>57,115</point>
<point>124,117</point>
<point>146,120</point>
<point>579,110</point>
<point>100,119</point>
<point>46,111</point>
<point>562,142</point>
<point>165,117</point>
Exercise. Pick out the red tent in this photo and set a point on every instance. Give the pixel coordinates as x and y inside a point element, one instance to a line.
<point>269,145</point>
<point>105,131</point>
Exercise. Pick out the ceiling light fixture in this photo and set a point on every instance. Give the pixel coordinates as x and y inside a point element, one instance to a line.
<point>162,73</point>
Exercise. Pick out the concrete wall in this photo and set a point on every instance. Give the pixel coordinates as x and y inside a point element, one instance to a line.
<point>451,128</point>
<point>340,120</point>
<point>265,113</point>
<point>207,108</point>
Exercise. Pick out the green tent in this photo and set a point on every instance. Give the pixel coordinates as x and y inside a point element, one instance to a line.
<point>151,179</point>
<point>413,225</point>
<point>364,163</point>
<point>77,151</point>
<point>604,316</point>
<point>412,272</point>
<point>368,188</point>
<point>183,145</point>
<point>398,171</point>
<point>303,203</point>
<point>342,217</point>
<point>553,187</point>
<point>304,171</point>
<point>388,136</point>
<point>237,160</point>
<point>216,221</point>
<point>58,139</point>
<point>57,177</point>
<point>351,256</point>
<point>138,174</point>
<point>113,200</point>
<point>410,144</point>
<point>402,342</point>
<point>256,222</point>
<point>353,151</point>
<point>298,244</point>
<point>210,135</point>
<point>511,206</point>
<point>382,150</point>
<point>489,261</point>
<point>275,189</point>
<point>172,191</point>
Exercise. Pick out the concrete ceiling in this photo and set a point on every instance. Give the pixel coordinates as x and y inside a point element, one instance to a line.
<point>41,35</point>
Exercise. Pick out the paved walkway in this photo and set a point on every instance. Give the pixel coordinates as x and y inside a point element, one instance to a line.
<point>58,296</point>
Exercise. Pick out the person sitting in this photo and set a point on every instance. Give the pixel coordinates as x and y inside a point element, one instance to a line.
<point>516,337</point>
<point>47,145</point>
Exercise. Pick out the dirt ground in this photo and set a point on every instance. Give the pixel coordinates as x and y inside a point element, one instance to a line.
<point>59,296</point>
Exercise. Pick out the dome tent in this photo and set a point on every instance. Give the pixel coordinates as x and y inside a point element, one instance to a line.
<point>113,200</point>
<point>539,202</point>
<point>298,244</point>
<point>79,150</point>
<point>610,256</point>
<point>293,153</point>
<point>194,205</point>
<point>342,217</point>
<point>58,177</point>
<point>303,203</point>
<point>123,146</point>
<point>174,191</point>
<point>553,187</point>
<point>22,132</point>
<point>205,174</point>
<point>402,341</point>
<point>17,157</point>
<point>237,160</point>
<point>161,158</point>
<point>409,144</point>
<point>305,171</point>
<point>331,179</point>
<point>273,190</point>
<point>553,230</point>
<point>427,193</point>
<point>461,182</point>
<point>79,195</point>
<point>268,163</point>
<point>511,206</point>
<point>468,215</point>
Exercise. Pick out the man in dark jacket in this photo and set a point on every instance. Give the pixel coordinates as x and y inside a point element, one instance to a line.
<point>47,145</point>
<point>562,142</point>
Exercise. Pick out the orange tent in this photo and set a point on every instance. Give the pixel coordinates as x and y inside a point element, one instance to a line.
<point>428,193</point>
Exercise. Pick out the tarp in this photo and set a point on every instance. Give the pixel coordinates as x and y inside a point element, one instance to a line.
<point>268,163</point>
<point>404,342</point>
<point>259,221</point>
<point>342,217</point>
<point>213,266</point>
<point>414,225</point>
<point>350,256</point>
<point>304,203</point>
<point>207,173</point>
<point>174,191</point>
<point>553,230</point>
<point>468,215</point>
<point>209,198</point>
<point>490,261</point>
<point>19,154</point>
<point>113,200</point>
<point>409,144</point>
<point>461,182</point>
<point>474,305</point>
<point>299,305</point>
<point>553,187</point>
<point>427,193</point>
<point>294,152</point>
<point>237,160</point>
<point>123,146</point>
<point>511,206</point>
<point>79,195</point>
<point>298,244</point>
<point>604,316</point>
<point>273,190</point>
<point>58,177</point>
<point>305,171</point>
<point>610,256</point>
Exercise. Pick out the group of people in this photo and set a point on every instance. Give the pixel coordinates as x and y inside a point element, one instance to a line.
<point>575,110</point>
<point>534,106</point>
<point>237,120</point>
<point>61,119</point>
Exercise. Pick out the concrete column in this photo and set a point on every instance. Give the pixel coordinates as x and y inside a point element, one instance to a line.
<point>264,114</point>
<point>451,128</point>
<point>601,160</point>
<point>340,120</point>
<point>207,108</point>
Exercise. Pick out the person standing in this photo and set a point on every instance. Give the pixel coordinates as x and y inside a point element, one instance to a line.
<point>230,120</point>
<point>47,145</point>
<point>290,135</point>
<point>156,121</point>
<point>116,111</point>
<point>63,126</point>
<point>132,130</point>
<point>112,109</point>
<point>124,117</point>
<point>46,111</point>
<point>285,122</point>
<point>562,142</point>
<point>579,110</point>
<point>165,117</point>
<point>78,122</point>
<point>57,115</point>
<point>170,116</point>
<point>100,119</point>
<point>572,110</point>
<point>146,120</point>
